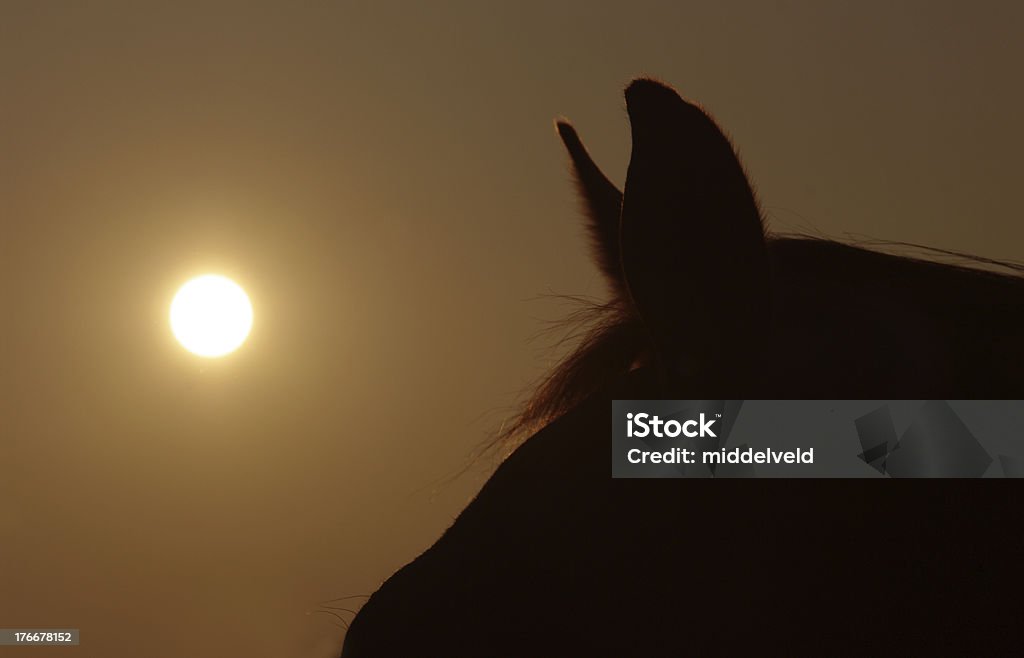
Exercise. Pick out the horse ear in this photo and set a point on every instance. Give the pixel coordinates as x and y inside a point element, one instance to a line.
<point>602,203</point>
<point>692,244</point>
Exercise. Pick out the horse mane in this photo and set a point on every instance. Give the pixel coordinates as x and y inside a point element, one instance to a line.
<point>606,339</point>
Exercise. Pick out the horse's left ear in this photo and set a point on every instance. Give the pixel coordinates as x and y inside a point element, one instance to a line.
<point>602,202</point>
<point>692,245</point>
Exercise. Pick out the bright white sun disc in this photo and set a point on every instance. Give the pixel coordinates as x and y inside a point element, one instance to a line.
<point>211,315</point>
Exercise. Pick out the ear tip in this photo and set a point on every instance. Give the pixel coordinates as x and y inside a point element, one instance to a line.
<point>647,97</point>
<point>567,133</point>
<point>645,87</point>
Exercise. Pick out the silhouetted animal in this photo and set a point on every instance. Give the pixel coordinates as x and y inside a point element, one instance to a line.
<point>553,557</point>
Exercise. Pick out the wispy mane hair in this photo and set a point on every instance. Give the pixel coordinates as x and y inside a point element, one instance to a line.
<point>605,340</point>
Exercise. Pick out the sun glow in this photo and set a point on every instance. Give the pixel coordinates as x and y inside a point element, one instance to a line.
<point>211,316</point>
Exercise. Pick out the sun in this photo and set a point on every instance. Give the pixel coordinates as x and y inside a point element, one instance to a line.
<point>211,316</point>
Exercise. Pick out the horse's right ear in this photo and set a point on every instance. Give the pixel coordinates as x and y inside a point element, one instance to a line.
<point>693,247</point>
<point>602,202</point>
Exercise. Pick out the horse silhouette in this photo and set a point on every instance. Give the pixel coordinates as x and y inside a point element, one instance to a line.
<point>554,557</point>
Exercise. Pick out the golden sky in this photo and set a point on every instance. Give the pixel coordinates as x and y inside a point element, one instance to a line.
<point>385,182</point>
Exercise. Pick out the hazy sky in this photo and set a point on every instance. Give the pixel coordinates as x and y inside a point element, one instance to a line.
<point>385,182</point>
